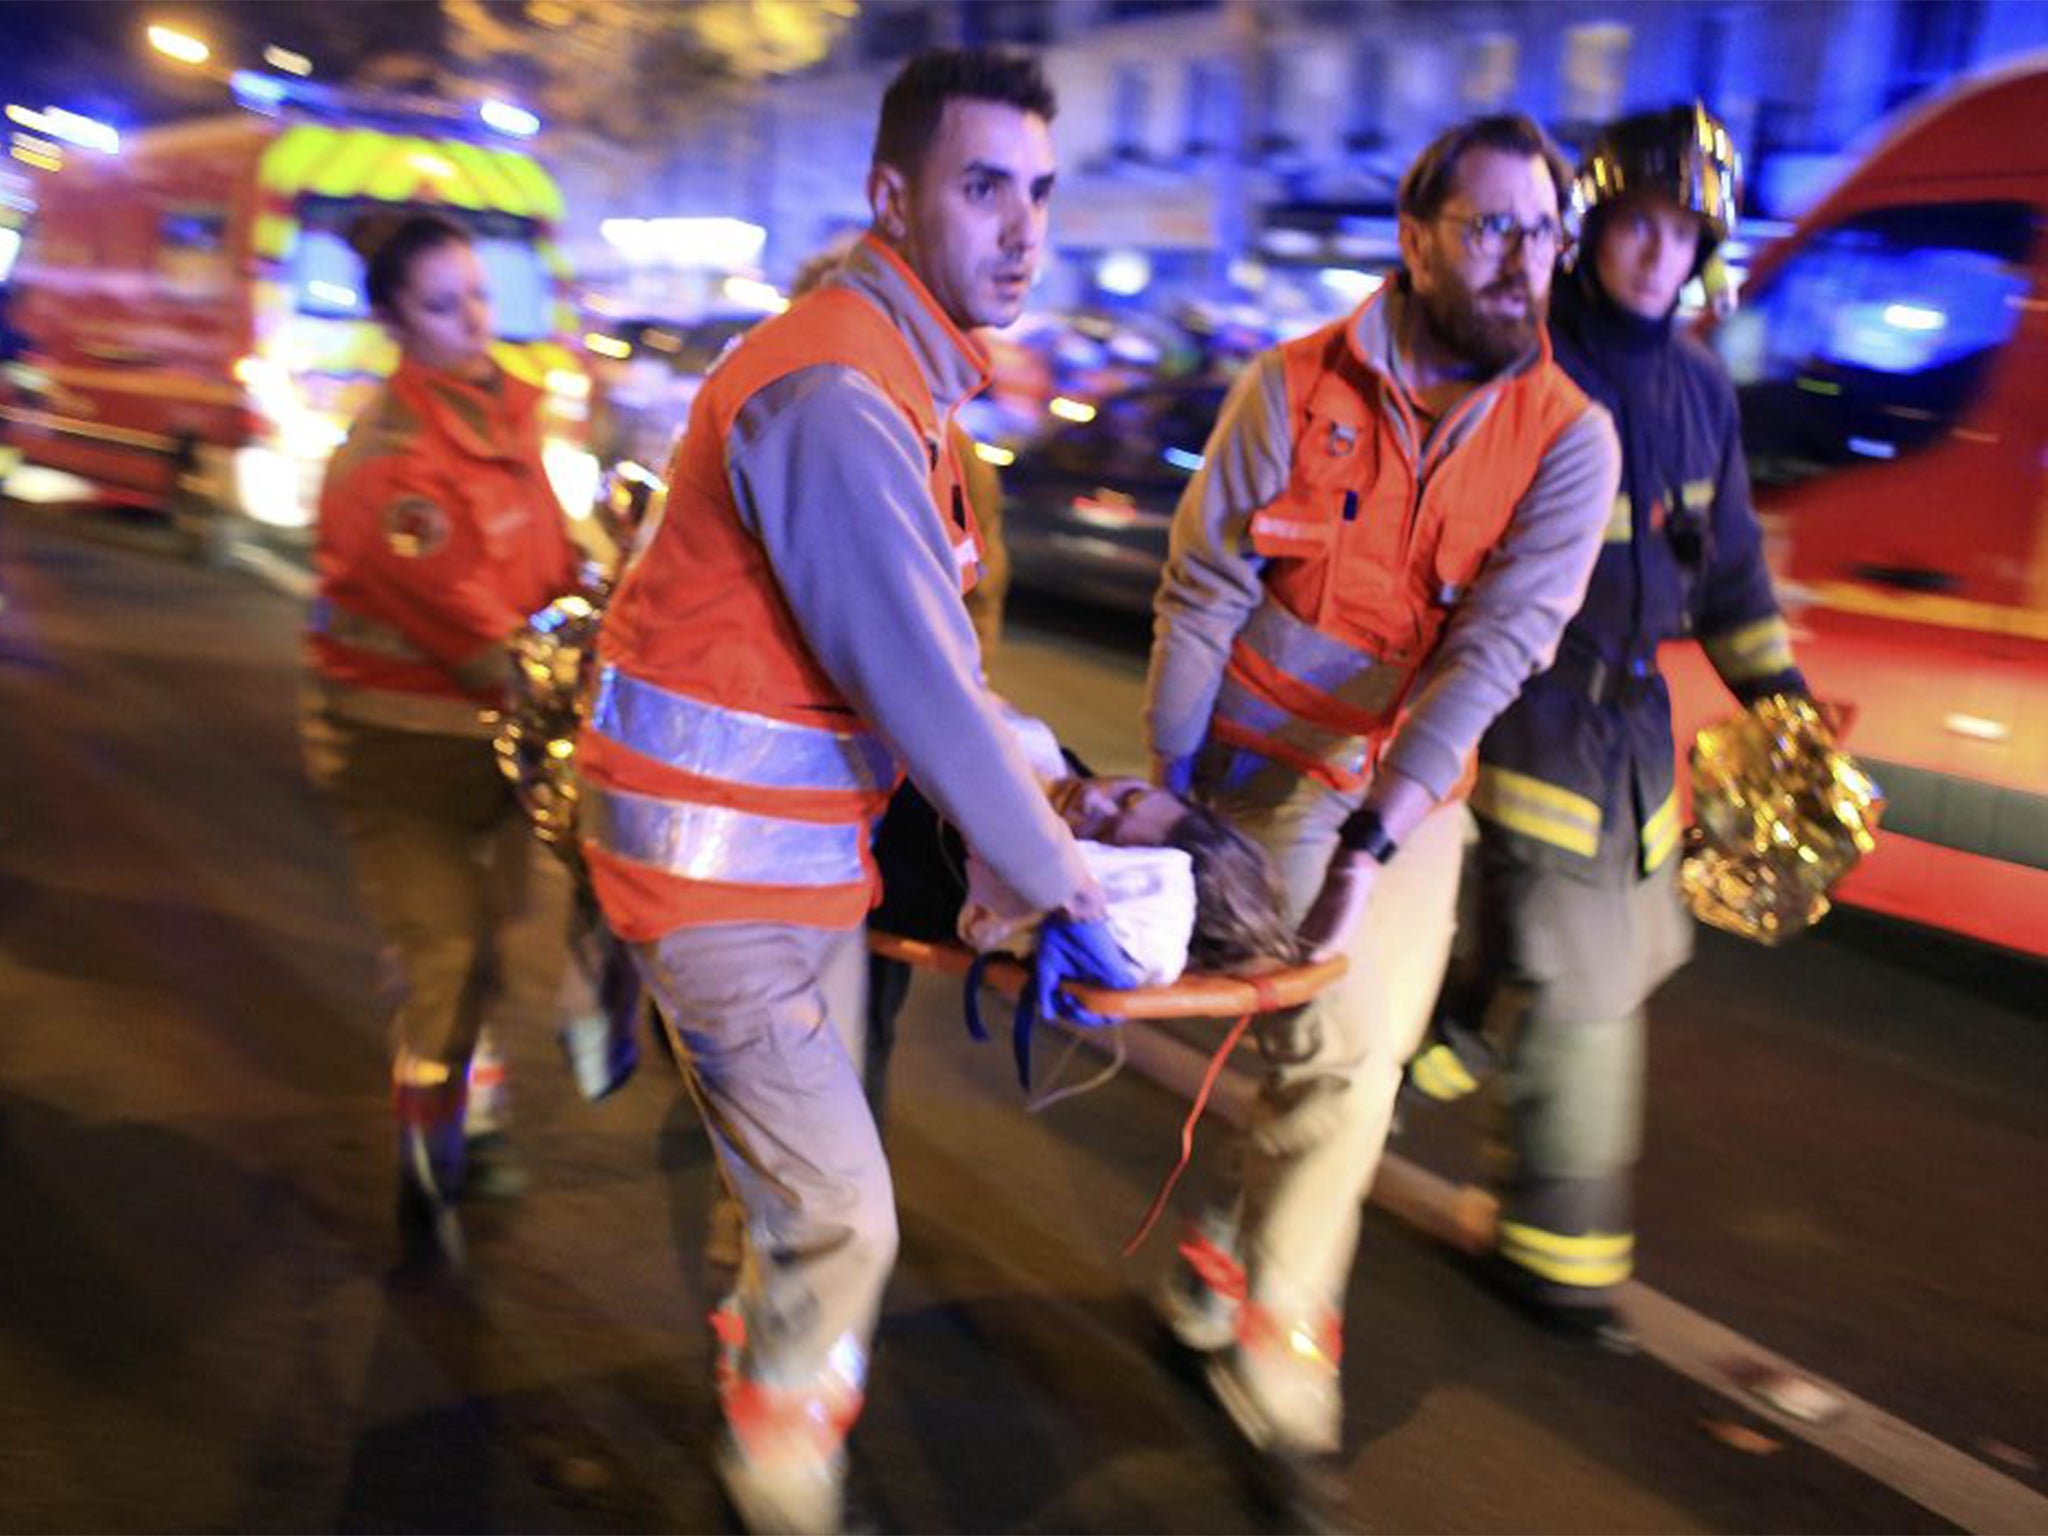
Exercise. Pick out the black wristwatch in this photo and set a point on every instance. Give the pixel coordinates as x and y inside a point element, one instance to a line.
<point>1363,831</point>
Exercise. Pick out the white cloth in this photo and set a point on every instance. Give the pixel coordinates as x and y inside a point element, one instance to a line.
<point>1150,893</point>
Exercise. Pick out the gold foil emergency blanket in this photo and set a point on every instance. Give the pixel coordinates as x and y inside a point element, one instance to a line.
<point>554,664</point>
<point>1780,814</point>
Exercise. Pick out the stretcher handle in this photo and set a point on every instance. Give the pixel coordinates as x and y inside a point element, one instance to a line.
<point>1197,995</point>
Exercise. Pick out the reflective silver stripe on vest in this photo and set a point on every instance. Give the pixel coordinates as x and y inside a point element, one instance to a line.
<point>338,624</point>
<point>1240,706</point>
<point>714,742</point>
<point>1352,676</point>
<point>715,842</point>
<point>1349,675</point>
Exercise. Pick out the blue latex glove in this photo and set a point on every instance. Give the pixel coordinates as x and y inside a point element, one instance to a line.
<point>1068,950</point>
<point>1174,773</point>
<point>1076,951</point>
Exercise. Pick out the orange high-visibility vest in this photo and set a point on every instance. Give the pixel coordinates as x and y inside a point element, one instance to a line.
<point>725,776</point>
<point>1369,549</point>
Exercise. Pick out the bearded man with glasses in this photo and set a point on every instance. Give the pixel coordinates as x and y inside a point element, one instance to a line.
<point>1394,519</point>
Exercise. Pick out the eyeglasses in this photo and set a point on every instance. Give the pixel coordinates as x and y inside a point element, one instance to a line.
<point>1497,234</point>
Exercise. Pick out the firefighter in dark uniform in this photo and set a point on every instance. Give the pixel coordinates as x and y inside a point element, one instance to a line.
<point>1577,917</point>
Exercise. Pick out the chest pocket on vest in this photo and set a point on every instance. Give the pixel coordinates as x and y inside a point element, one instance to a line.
<point>1336,457</point>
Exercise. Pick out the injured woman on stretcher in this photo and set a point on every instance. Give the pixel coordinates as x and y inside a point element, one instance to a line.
<point>1185,890</point>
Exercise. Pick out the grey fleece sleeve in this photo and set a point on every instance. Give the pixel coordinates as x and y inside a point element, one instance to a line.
<point>831,479</point>
<point>1507,627</point>
<point>1211,584</point>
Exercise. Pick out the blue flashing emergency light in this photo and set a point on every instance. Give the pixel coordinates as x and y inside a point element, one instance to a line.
<point>506,118</point>
<point>258,92</point>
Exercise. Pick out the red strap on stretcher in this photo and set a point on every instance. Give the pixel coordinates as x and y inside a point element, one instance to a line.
<point>1187,1130</point>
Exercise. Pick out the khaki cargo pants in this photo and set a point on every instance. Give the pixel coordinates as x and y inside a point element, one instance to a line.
<point>1320,1123</point>
<point>473,908</point>
<point>769,1021</point>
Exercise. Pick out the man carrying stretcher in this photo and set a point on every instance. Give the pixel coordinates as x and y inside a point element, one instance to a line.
<point>788,638</point>
<point>1394,519</point>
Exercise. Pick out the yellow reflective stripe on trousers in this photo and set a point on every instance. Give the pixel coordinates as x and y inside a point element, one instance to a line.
<point>1439,1073</point>
<point>717,842</point>
<point>737,746</point>
<point>1597,1259</point>
<point>1661,833</point>
<point>1755,650</point>
<point>1536,809</point>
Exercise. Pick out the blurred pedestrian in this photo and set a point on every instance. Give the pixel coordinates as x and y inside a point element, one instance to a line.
<point>789,634</point>
<point>1395,516</point>
<point>438,534</point>
<point>1576,869</point>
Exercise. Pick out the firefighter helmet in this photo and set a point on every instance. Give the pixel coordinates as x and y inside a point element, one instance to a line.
<point>1684,153</point>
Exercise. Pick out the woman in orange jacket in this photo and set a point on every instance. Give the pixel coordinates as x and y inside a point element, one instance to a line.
<point>438,534</point>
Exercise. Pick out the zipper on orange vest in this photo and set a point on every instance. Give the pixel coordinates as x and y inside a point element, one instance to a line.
<point>1430,459</point>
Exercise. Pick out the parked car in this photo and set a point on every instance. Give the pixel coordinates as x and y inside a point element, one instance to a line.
<point>1086,509</point>
<point>1892,361</point>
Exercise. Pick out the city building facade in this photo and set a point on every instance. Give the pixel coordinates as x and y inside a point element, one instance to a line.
<point>1212,146</point>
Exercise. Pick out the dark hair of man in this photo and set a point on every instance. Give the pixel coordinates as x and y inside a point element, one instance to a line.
<point>917,97</point>
<point>1238,922</point>
<point>389,243</point>
<point>1430,180</point>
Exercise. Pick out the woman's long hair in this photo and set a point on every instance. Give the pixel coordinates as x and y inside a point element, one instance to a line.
<point>1240,924</point>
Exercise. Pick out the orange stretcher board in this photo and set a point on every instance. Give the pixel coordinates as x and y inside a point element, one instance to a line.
<point>1196,995</point>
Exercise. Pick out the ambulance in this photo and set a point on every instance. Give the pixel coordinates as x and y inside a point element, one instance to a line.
<point>198,336</point>
<point>1891,358</point>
